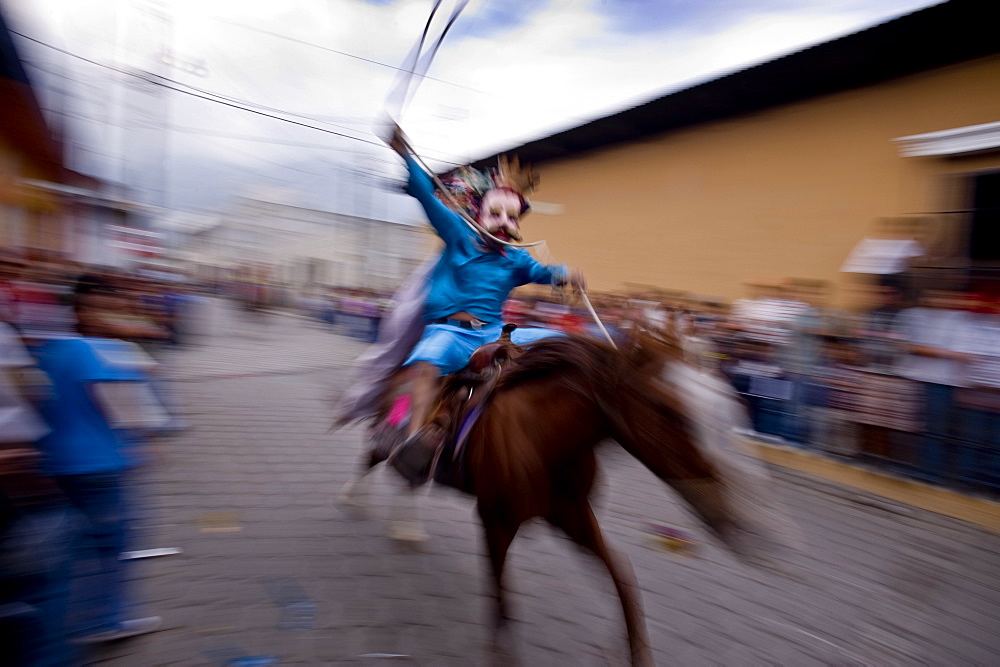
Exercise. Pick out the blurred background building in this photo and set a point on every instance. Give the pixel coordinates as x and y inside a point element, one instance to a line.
<point>47,210</point>
<point>50,211</point>
<point>307,248</point>
<point>783,169</point>
<point>28,152</point>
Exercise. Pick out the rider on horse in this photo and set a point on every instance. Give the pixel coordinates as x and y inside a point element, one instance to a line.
<point>468,285</point>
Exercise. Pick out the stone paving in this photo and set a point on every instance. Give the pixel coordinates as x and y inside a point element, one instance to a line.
<point>272,570</point>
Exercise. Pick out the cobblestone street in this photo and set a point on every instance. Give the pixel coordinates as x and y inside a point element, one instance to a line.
<point>271,567</point>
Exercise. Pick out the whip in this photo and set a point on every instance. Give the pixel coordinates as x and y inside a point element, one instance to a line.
<point>593,313</point>
<point>417,64</point>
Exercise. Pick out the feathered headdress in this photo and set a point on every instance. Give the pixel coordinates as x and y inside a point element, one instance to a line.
<point>468,185</point>
<point>509,174</point>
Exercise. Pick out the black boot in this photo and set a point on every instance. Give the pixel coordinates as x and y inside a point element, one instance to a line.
<point>414,457</point>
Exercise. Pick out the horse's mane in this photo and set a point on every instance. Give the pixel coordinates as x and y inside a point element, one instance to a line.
<point>557,355</point>
<point>641,351</point>
<point>623,383</point>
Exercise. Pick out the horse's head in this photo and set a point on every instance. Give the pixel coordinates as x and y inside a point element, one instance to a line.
<point>647,349</point>
<point>668,415</point>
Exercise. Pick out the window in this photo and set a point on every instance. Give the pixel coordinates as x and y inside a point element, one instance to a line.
<point>984,231</point>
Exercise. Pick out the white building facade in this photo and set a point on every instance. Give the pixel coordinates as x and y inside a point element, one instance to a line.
<point>307,248</point>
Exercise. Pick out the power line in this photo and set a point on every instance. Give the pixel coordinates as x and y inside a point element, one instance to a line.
<point>147,77</point>
<point>203,94</point>
<point>263,140</point>
<point>321,119</point>
<point>277,164</point>
<point>343,53</point>
<point>150,80</point>
<point>247,103</point>
<point>202,131</point>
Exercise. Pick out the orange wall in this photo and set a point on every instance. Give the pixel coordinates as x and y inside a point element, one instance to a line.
<point>23,207</point>
<point>782,193</point>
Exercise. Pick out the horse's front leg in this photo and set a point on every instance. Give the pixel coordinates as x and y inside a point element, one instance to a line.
<point>499,532</point>
<point>404,520</point>
<point>576,518</point>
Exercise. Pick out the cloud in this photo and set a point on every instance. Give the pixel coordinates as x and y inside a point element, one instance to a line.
<point>510,71</point>
<point>570,64</point>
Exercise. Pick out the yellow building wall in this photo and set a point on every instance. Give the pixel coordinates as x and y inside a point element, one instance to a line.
<point>786,192</point>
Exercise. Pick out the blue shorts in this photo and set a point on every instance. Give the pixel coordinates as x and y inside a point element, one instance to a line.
<point>449,347</point>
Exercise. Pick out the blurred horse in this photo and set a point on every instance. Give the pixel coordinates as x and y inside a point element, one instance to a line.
<point>530,451</point>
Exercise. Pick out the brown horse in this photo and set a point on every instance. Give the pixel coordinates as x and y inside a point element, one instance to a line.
<point>531,453</point>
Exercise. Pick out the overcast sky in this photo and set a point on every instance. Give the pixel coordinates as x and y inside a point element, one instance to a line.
<point>508,71</point>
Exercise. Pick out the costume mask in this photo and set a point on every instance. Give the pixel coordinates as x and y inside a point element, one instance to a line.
<point>500,213</point>
<point>493,198</point>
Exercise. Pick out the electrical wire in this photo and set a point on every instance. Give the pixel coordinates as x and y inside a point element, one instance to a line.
<point>344,53</point>
<point>148,78</point>
<point>218,98</point>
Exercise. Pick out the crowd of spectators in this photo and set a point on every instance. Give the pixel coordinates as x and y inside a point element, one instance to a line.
<point>909,382</point>
<point>354,312</point>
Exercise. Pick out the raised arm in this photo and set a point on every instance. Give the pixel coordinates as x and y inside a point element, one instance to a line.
<point>448,224</point>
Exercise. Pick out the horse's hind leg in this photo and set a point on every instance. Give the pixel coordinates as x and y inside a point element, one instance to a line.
<point>383,439</point>
<point>576,518</point>
<point>499,534</point>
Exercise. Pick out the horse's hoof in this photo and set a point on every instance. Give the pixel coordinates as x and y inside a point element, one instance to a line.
<point>643,657</point>
<point>351,498</point>
<point>411,532</point>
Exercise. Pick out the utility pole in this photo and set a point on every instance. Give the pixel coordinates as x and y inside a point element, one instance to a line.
<point>195,67</point>
<point>146,30</point>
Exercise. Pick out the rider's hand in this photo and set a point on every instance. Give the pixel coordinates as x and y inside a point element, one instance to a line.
<point>396,139</point>
<point>575,278</point>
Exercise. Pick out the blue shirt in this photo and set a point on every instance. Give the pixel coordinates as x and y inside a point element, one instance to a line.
<point>81,440</point>
<point>470,277</point>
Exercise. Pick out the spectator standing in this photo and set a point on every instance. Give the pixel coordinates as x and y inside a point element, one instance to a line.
<point>10,272</point>
<point>980,402</point>
<point>934,337</point>
<point>801,355</point>
<point>99,386</point>
<point>877,327</point>
<point>36,525</point>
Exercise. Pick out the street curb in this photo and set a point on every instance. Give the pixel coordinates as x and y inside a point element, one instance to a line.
<point>979,511</point>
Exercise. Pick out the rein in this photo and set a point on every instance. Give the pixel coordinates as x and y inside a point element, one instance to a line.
<point>593,313</point>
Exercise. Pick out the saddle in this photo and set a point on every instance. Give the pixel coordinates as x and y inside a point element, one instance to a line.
<point>462,400</point>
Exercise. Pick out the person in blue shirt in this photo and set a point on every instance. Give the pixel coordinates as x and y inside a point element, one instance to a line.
<point>35,523</point>
<point>468,285</point>
<point>100,401</point>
